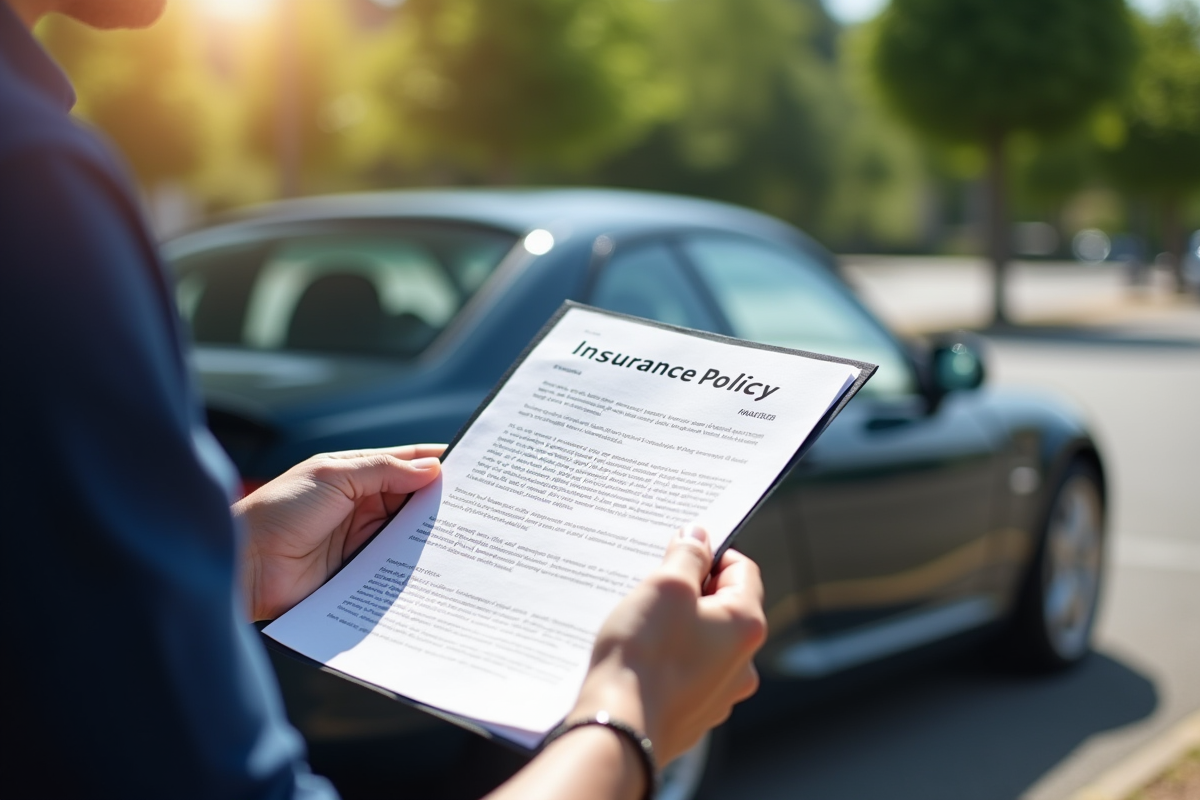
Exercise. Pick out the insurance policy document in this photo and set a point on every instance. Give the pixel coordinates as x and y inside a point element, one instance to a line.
<point>482,597</point>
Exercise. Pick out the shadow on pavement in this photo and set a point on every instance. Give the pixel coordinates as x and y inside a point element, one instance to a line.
<point>924,729</point>
<point>957,731</point>
<point>441,764</point>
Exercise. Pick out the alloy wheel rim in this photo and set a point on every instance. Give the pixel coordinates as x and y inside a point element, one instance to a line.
<point>1072,567</point>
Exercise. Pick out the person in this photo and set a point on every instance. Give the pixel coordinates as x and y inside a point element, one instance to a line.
<point>130,669</point>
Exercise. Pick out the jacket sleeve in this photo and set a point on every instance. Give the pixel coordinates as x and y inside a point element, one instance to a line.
<point>129,668</point>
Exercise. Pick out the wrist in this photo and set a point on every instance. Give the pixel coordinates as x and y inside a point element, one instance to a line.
<point>248,566</point>
<point>622,752</point>
<point>616,690</point>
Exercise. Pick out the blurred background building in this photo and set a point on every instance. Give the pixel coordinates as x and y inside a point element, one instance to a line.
<point>802,109</point>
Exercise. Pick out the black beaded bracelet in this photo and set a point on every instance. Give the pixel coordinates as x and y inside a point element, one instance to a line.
<point>641,744</point>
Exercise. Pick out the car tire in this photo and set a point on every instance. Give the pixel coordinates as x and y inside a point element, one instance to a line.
<point>1052,624</point>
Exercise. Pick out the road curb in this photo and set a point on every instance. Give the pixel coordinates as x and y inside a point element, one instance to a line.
<point>1145,764</point>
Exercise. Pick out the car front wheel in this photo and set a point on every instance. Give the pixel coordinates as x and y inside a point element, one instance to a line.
<point>1053,624</point>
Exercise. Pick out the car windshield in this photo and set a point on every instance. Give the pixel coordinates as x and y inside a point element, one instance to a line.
<point>370,292</point>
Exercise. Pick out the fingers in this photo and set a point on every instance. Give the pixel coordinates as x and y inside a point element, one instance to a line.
<point>691,655</point>
<point>747,683</point>
<point>735,596</point>
<point>406,452</point>
<point>736,574</point>
<point>378,472</point>
<point>689,556</point>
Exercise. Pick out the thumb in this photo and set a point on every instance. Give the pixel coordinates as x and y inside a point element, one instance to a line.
<point>689,556</point>
<point>379,473</point>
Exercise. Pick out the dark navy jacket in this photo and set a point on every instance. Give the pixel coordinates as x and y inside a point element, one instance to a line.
<point>129,670</point>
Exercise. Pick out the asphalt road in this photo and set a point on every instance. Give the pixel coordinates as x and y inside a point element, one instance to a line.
<point>962,728</point>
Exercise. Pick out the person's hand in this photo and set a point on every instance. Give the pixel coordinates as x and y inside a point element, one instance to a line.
<point>305,523</point>
<point>676,655</point>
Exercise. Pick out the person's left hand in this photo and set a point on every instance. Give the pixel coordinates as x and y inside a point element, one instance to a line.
<point>305,523</point>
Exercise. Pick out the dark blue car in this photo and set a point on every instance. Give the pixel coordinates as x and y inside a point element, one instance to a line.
<point>934,506</point>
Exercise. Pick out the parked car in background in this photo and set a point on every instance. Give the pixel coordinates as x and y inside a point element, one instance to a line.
<point>1191,263</point>
<point>933,506</point>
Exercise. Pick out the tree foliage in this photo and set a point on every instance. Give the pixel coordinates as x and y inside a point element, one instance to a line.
<point>501,87</point>
<point>755,108</point>
<point>882,188</point>
<point>758,102</point>
<point>1154,145</point>
<point>968,69</point>
<point>145,89</point>
<point>1156,149</point>
<point>319,75</point>
<point>980,70</point>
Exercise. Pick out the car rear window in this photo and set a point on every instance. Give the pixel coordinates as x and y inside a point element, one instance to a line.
<point>387,293</point>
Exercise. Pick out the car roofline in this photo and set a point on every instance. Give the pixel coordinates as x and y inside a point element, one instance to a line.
<point>585,211</point>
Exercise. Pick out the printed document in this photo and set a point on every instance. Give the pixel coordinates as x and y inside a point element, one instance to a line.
<point>482,597</point>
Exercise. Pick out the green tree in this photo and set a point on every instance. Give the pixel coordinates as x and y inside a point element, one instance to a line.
<point>1051,170</point>
<point>1154,150</point>
<point>755,107</point>
<point>300,93</point>
<point>498,89</point>
<point>883,192</point>
<point>979,70</point>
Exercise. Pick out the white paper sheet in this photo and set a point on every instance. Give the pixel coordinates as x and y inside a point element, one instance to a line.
<point>482,597</point>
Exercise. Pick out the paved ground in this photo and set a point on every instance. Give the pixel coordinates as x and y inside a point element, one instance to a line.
<point>961,729</point>
<point>1144,402</point>
<point>917,294</point>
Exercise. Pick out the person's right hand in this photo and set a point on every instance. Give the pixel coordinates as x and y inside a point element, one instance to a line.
<point>676,654</point>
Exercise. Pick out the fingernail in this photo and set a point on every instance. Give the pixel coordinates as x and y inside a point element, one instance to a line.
<point>693,531</point>
<point>424,463</point>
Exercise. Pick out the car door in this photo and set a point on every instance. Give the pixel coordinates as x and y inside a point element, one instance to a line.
<point>894,500</point>
<point>649,279</point>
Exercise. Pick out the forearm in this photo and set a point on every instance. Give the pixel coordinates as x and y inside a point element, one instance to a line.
<point>589,763</point>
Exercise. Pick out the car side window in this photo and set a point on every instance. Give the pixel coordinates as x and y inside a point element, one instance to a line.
<point>647,280</point>
<point>775,296</point>
<point>213,295</point>
<point>363,293</point>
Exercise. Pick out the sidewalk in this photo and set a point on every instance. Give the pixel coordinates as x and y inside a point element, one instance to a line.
<point>1147,773</point>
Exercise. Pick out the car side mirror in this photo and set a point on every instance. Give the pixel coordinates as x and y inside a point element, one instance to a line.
<point>957,364</point>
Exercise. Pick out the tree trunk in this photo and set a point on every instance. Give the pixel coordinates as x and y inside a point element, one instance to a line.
<point>288,124</point>
<point>998,230</point>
